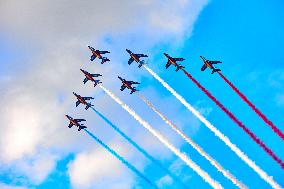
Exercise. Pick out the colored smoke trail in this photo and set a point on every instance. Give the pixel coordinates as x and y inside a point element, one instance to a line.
<point>217,133</point>
<point>121,159</point>
<point>194,145</point>
<point>238,122</point>
<point>257,111</point>
<point>176,151</point>
<point>137,146</point>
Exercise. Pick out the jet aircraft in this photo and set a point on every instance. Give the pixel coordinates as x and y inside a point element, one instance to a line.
<point>76,122</point>
<point>173,61</point>
<point>91,77</point>
<point>128,84</point>
<point>209,64</point>
<point>83,100</point>
<point>98,54</point>
<point>136,58</point>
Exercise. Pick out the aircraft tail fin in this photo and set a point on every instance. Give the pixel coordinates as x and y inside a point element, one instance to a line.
<point>104,59</point>
<point>215,70</point>
<point>179,67</point>
<point>141,63</point>
<point>88,106</point>
<point>134,90</point>
<point>97,82</point>
<point>81,127</point>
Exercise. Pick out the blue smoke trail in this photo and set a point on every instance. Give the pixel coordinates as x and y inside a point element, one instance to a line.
<point>121,159</point>
<point>147,155</point>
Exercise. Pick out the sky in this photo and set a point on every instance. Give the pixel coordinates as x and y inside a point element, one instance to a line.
<point>44,44</point>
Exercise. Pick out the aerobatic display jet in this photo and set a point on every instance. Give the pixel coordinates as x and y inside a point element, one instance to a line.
<point>128,84</point>
<point>91,77</point>
<point>136,58</point>
<point>76,122</point>
<point>209,64</point>
<point>83,100</point>
<point>173,61</point>
<point>98,54</point>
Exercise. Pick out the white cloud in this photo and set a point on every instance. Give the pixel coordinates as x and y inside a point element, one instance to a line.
<point>56,33</point>
<point>100,169</point>
<point>5,186</point>
<point>202,108</point>
<point>165,181</point>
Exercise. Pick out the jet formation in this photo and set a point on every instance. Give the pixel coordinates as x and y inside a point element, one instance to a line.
<point>136,58</point>
<point>128,84</point>
<point>125,84</point>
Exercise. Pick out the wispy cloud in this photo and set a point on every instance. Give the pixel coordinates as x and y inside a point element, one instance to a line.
<point>56,33</point>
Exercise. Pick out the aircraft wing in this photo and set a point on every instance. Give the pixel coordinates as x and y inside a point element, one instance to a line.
<point>130,60</point>
<point>215,62</point>
<point>79,120</point>
<point>122,87</point>
<point>85,80</point>
<point>133,82</point>
<point>141,55</point>
<point>104,52</point>
<point>70,125</point>
<point>88,98</point>
<point>203,67</point>
<point>93,57</point>
<point>77,103</point>
<point>96,75</point>
<point>168,64</point>
<point>179,59</point>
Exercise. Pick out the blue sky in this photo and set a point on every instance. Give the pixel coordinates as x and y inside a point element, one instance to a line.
<point>247,36</point>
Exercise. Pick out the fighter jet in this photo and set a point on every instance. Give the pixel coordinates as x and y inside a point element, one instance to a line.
<point>76,122</point>
<point>83,100</point>
<point>208,63</point>
<point>136,57</point>
<point>128,84</point>
<point>173,61</point>
<point>91,77</point>
<point>98,54</point>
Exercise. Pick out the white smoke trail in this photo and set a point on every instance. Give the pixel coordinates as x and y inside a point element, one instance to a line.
<point>225,139</point>
<point>181,155</point>
<point>194,145</point>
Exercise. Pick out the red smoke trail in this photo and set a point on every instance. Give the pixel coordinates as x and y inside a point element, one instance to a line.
<point>257,111</point>
<point>240,124</point>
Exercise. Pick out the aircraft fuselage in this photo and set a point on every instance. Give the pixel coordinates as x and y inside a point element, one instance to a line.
<point>82,100</point>
<point>126,84</point>
<point>171,60</point>
<point>135,57</point>
<point>89,77</point>
<point>208,64</point>
<point>97,54</point>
